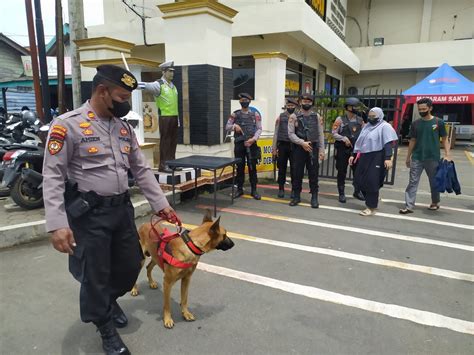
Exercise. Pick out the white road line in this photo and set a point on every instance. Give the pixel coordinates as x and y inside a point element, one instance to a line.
<point>391,310</point>
<point>380,214</point>
<point>42,221</point>
<point>427,205</point>
<point>407,238</point>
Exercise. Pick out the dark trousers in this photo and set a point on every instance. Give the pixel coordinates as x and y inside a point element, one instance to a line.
<point>168,138</point>
<point>106,260</point>
<point>310,160</point>
<point>284,155</point>
<point>248,156</point>
<point>371,198</point>
<point>342,162</point>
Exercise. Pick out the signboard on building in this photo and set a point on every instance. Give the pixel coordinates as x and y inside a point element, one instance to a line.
<point>336,11</point>
<point>52,65</point>
<point>266,163</point>
<point>319,6</point>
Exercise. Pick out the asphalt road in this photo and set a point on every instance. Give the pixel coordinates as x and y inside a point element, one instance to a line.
<point>298,280</point>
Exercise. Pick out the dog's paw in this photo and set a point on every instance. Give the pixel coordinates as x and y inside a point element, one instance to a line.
<point>168,323</point>
<point>153,285</point>
<point>134,291</point>
<point>188,316</point>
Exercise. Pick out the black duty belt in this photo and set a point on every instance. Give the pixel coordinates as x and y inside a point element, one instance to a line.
<point>105,201</point>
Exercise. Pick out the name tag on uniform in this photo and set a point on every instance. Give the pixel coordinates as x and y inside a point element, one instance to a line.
<point>90,139</point>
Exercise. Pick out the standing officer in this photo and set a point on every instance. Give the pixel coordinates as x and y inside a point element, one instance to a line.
<point>307,133</point>
<point>282,145</point>
<point>91,216</point>
<point>346,130</point>
<point>247,127</point>
<point>166,96</point>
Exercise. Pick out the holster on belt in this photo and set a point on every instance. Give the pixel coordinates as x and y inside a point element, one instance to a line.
<point>78,203</point>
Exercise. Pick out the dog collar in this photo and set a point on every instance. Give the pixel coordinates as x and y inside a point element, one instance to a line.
<point>188,241</point>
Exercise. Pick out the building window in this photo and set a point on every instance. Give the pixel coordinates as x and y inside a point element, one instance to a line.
<point>243,70</point>
<point>332,85</point>
<point>300,79</point>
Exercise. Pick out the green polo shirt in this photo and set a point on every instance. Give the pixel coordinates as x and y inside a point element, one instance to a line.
<point>427,134</point>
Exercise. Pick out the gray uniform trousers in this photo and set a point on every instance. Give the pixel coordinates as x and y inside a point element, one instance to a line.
<point>416,168</point>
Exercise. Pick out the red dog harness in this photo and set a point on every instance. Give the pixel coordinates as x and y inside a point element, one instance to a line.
<point>163,251</point>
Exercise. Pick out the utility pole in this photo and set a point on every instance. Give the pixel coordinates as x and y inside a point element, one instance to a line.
<point>77,31</point>
<point>60,57</point>
<point>43,64</point>
<point>34,59</point>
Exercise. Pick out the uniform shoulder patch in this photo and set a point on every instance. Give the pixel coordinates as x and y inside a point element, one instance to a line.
<point>55,145</point>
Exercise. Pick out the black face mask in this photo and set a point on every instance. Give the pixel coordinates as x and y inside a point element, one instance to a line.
<point>306,107</point>
<point>373,121</point>
<point>424,114</point>
<point>225,244</point>
<point>290,110</point>
<point>119,109</point>
<point>245,104</point>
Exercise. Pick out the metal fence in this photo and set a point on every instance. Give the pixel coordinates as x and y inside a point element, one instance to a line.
<point>330,107</point>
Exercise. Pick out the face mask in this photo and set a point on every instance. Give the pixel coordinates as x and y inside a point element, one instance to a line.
<point>373,120</point>
<point>424,114</point>
<point>290,110</point>
<point>119,109</point>
<point>306,107</point>
<point>245,104</point>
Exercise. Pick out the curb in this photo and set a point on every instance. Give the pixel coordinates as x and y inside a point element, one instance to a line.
<point>33,231</point>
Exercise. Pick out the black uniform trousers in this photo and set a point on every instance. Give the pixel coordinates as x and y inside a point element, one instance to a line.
<point>106,260</point>
<point>343,153</point>
<point>168,126</point>
<point>249,156</point>
<point>310,160</point>
<point>284,155</point>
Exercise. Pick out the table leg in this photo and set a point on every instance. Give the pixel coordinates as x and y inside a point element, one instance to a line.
<point>195,184</point>
<point>215,193</point>
<point>233,184</point>
<point>172,183</point>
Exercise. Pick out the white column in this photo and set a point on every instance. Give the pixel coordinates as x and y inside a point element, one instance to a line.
<point>426,21</point>
<point>137,104</point>
<point>270,70</point>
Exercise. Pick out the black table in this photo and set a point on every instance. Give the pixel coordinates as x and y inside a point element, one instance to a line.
<point>204,162</point>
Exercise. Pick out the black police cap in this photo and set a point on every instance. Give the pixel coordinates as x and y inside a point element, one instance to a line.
<point>118,76</point>
<point>292,101</point>
<point>244,95</point>
<point>307,97</point>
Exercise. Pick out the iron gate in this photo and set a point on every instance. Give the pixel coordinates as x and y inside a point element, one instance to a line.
<point>330,107</point>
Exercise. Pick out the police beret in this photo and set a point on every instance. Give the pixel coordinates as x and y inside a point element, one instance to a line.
<point>244,95</point>
<point>292,101</point>
<point>118,76</point>
<point>307,97</point>
<point>167,65</point>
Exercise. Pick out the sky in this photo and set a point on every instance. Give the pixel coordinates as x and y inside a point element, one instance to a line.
<point>13,17</point>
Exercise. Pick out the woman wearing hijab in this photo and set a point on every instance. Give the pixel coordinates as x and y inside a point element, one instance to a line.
<point>373,153</point>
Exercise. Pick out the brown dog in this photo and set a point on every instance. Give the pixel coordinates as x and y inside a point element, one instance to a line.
<point>207,237</point>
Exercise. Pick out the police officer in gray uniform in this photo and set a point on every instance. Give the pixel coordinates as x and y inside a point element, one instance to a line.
<point>346,130</point>
<point>247,127</point>
<point>307,133</point>
<point>282,144</point>
<point>87,204</point>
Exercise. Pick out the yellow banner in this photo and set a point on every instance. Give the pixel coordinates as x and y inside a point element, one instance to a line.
<point>266,163</point>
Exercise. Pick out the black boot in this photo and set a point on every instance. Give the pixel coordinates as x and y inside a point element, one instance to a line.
<point>342,196</point>
<point>111,341</point>
<point>314,200</point>
<point>359,195</point>
<point>281,192</point>
<point>295,199</point>
<point>239,192</point>
<point>292,194</point>
<point>254,193</point>
<point>118,316</point>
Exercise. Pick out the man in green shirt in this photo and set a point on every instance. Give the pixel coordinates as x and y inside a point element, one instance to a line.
<point>424,153</point>
<point>166,97</point>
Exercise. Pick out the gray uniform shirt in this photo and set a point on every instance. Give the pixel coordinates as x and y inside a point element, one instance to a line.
<point>96,154</point>
<point>293,122</point>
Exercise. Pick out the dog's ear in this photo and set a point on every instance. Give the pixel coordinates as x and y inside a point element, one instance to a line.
<point>214,230</point>
<point>207,216</point>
